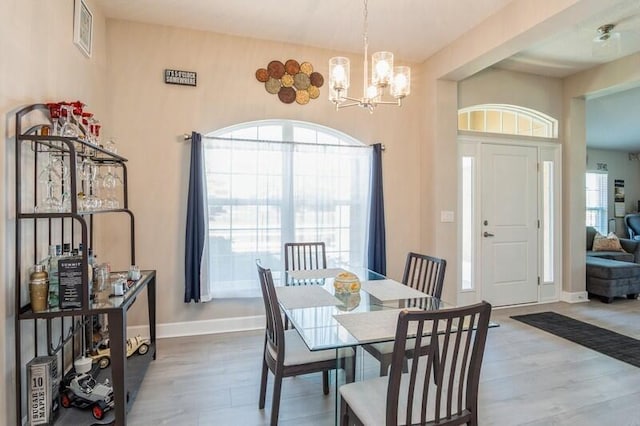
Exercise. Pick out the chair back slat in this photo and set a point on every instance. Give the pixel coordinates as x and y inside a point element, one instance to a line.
<point>302,256</point>
<point>275,326</point>
<point>425,273</point>
<point>455,340</point>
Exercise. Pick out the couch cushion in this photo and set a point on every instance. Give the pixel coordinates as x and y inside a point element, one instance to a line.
<point>608,269</point>
<point>613,255</point>
<point>591,233</point>
<point>608,243</point>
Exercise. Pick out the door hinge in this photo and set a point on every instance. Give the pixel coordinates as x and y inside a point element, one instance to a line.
<point>538,280</point>
<point>538,223</point>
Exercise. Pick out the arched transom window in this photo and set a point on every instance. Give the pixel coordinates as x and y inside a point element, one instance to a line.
<point>507,119</point>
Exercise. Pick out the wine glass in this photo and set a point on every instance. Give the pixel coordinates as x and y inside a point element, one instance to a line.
<point>50,203</point>
<point>111,146</point>
<point>69,128</point>
<point>110,182</point>
<point>54,112</point>
<point>51,179</point>
<point>87,128</point>
<point>87,171</point>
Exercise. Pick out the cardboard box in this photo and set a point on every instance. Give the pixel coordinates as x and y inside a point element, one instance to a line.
<point>43,384</point>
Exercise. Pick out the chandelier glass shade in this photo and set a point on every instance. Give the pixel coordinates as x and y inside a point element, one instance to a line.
<point>384,78</point>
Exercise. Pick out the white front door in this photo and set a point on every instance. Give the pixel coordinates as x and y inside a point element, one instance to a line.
<point>509,224</point>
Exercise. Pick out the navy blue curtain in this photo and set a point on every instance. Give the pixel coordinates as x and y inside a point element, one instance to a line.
<point>377,259</point>
<point>196,234</point>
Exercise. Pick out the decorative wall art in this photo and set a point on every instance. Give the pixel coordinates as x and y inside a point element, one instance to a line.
<point>82,27</point>
<point>618,198</point>
<point>291,81</point>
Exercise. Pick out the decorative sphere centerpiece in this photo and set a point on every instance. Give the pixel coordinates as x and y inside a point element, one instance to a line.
<point>346,282</point>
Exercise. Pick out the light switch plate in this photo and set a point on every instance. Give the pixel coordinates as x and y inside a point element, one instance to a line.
<point>446,216</point>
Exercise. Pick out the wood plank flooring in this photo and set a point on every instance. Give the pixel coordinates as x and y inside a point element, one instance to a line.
<point>529,377</point>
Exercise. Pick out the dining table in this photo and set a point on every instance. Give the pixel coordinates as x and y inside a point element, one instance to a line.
<point>330,318</point>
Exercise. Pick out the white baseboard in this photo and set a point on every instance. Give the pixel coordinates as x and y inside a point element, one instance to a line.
<point>196,328</point>
<point>575,297</point>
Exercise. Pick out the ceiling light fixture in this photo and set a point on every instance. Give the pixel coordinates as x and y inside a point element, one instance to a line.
<point>606,43</point>
<point>383,75</point>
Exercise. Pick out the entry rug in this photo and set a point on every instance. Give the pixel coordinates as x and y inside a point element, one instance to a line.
<point>615,345</point>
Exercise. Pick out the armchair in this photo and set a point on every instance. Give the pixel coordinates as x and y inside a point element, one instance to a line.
<point>632,222</point>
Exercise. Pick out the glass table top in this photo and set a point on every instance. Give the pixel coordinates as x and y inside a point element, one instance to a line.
<point>330,319</point>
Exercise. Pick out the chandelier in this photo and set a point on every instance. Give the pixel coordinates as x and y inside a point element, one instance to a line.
<point>383,76</point>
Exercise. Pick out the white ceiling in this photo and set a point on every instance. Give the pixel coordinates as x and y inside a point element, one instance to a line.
<point>413,30</point>
<point>570,50</point>
<point>613,121</point>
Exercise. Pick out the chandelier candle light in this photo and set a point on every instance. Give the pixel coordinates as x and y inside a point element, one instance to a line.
<point>383,75</point>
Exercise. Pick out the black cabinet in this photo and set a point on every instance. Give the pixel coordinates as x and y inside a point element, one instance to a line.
<point>58,202</point>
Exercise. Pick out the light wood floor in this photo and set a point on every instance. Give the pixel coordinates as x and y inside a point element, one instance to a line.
<point>529,377</point>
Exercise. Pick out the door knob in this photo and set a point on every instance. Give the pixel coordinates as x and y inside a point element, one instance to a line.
<point>487,234</point>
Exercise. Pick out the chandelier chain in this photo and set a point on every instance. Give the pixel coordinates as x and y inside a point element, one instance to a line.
<point>365,79</point>
<point>365,25</point>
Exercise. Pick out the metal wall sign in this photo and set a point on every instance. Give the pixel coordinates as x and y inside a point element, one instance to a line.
<point>182,78</point>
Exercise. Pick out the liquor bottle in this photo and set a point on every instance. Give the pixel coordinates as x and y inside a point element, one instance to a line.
<point>70,280</point>
<point>90,265</point>
<point>55,252</point>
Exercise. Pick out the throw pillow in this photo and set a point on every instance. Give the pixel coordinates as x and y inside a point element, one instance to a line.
<point>608,243</point>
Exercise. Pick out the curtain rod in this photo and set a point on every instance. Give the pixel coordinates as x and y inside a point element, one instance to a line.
<point>187,137</point>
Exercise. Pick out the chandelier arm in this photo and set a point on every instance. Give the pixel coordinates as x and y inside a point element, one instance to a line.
<point>342,106</point>
<point>348,98</point>
<point>397,102</point>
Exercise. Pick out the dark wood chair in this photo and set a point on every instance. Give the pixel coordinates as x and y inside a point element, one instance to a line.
<point>285,353</point>
<point>304,256</point>
<point>301,256</point>
<point>423,273</point>
<point>412,398</point>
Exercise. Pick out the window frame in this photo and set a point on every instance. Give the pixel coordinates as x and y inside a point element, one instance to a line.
<point>303,139</point>
<point>601,211</point>
<point>476,119</point>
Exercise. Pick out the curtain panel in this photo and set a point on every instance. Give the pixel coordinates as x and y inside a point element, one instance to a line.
<point>377,249</point>
<point>196,250</point>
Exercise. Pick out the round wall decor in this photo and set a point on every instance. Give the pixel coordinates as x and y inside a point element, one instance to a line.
<point>291,81</point>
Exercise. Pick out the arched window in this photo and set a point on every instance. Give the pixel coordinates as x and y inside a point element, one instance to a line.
<point>276,181</point>
<point>507,119</point>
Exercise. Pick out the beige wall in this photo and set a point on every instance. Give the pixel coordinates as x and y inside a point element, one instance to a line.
<point>619,75</point>
<point>499,86</point>
<point>619,166</point>
<point>518,26</point>
<point>39,63</point>
<point>150,117</point>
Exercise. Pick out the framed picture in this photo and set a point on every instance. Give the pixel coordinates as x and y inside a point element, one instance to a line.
<point>82,27</point>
